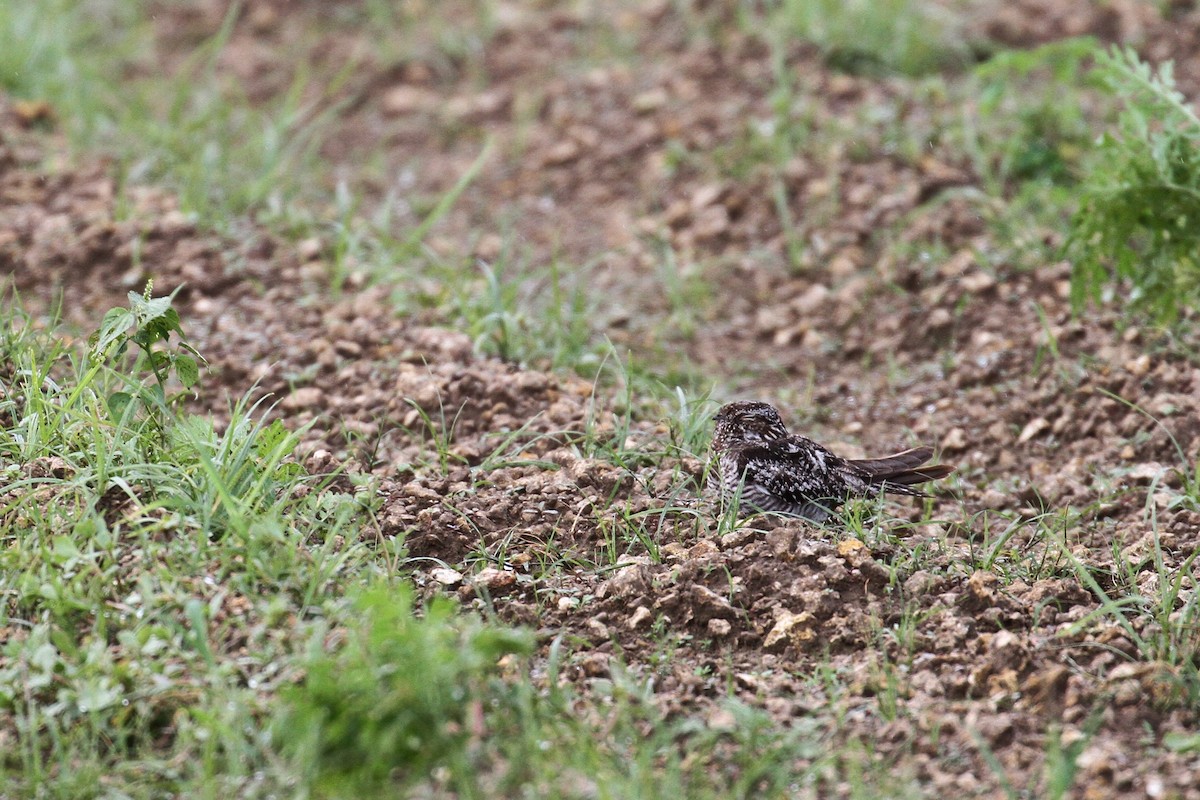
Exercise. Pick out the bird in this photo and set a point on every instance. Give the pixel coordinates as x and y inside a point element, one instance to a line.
<point>756,459</point>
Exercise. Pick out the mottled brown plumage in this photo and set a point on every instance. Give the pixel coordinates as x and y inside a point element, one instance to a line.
<point>777,472</point>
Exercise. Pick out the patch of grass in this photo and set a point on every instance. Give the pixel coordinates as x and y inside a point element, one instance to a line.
<point>1018,549</point>
<point>1032,123</point>
<point>1139,212</point>
<point>402,694</point>
<point>449,35</point>
<point>909,37</point>
<point>440,703</point>
<point>538,317</point>
<point>1160,616</point>
<point>189,131</point>
<point>151,567</point>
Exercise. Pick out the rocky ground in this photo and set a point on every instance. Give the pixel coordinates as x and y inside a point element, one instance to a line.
<point>960,637</point>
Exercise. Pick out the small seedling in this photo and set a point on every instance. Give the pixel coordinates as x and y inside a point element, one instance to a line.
<point>147,324</point>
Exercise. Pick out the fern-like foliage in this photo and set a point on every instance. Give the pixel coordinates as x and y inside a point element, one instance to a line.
<point>1139,212</point>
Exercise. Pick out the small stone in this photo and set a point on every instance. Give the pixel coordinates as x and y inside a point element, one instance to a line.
<point>954,441</point>
<point>494,580</point>
<point>595,665</point>
<point>1139,366</point>
<point>710,601</point>
<point>632,578</point>
<point>47,467</point>
<point>789,629</point>
<point>640,617</point>
<point>566,604</point>
<point>1145,472</point>
<point>305,397</point>
<point>719,628</point>
<point>446,576</point>
<point>939,320</point>
<point>711,222</point>
<point>1032,429</point>
<point>562,153</point>
<point>310,249</point>
<point>402,100</point>
<point>651,100</point>
<point>977,282</point>
<point>674,550</point>
<point>849,548</point>
<point>813,299</point>
<point>598,630</point>
<point>722,719</point>
<point>921,582</point>
<point>747,680</point>
<point>737,538</point>
<point>706,196</point>
<point>981,591</point>
<point>489,247</point>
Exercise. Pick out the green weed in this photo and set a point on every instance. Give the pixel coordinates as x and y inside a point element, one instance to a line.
<point>397,698</point>
<point>1139,212</point>
<point>1031,133</point>
<point>910,37</point>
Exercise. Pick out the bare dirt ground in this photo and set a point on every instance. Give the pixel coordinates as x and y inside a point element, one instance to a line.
<point>951,640</point>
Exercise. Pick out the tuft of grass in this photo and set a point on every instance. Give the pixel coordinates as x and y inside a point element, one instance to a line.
<point>433,701</point>
<point>1031,133</point>
<point>1139,212</point>
<point>1160,617</point>
<point>909,37</point>
<point>402,694</point>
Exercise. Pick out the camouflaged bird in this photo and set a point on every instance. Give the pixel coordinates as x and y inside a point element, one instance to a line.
<point>780,473</point>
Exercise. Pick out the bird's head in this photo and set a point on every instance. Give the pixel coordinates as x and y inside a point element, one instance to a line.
<point>747,422</point>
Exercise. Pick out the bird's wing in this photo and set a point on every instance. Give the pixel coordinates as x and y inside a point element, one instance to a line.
<point>898,462</point>
<point>797,470</point>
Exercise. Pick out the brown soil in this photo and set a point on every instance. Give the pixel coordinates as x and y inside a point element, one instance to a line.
<point>893,350</point>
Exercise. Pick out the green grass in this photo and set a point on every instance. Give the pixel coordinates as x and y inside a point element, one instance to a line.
<point>1160,617</point>
<point>909,37</point>
<point>1139,217</point>
<point>139,544</point>
<point>195,132</point>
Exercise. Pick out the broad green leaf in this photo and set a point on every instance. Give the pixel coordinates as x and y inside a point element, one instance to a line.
<point>160,360</point>
<point>1180,742</point>
<point>116,322</point>
<point>146,310</point>
<point>187,370</point>
<point>118,402</point>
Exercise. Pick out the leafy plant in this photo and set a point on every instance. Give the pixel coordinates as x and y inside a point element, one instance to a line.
<point>147,324</point>
<point>399,694</point>
<point>910,37</point>
<point>1139,212</point>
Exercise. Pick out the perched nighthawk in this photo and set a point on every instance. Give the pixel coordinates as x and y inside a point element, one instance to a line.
<point>781,473</point>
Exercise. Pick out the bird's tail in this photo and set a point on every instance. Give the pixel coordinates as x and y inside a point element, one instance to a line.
<point>900,472</point>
